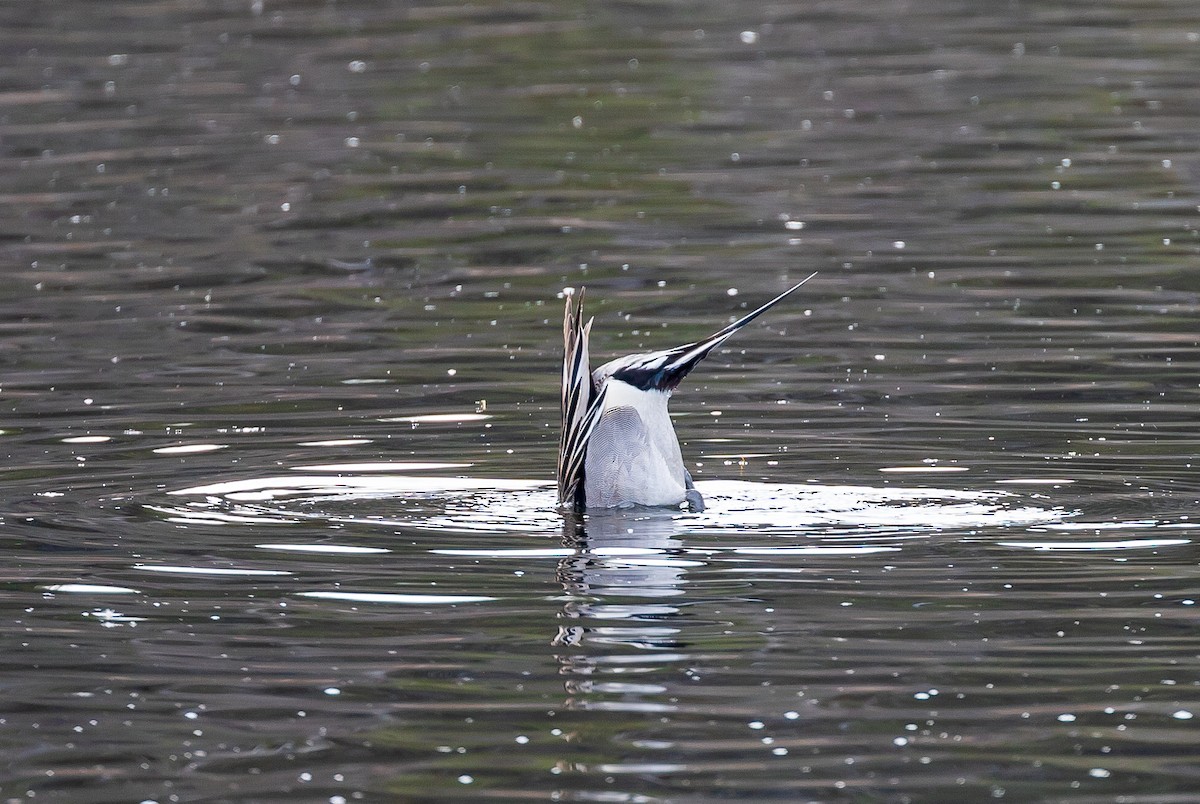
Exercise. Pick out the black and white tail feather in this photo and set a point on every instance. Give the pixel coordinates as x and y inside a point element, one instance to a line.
<point>656,374</point>
<point>581,406</point>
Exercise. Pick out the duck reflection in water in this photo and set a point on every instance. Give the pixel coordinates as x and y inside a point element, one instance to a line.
<point>624,586</point>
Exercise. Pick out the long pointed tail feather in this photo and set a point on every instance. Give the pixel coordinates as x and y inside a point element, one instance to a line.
<point>746,319</point>
<point>684,358</point>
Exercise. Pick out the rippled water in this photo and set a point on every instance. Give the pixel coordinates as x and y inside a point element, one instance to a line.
<point>282,323</point>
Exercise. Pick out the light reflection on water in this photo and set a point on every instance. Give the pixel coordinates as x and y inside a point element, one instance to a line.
<point>786,622</point>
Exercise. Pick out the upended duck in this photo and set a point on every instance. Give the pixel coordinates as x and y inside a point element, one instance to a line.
<point>618,447</point>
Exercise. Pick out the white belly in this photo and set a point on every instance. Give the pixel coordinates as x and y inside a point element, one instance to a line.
<point>633,456</point>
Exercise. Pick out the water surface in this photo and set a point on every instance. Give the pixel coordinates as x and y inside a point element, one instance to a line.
<point>282,323</point>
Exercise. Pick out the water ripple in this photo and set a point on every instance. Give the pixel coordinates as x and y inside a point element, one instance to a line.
<point>487,505</point>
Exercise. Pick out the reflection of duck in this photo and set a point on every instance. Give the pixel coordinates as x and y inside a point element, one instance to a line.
<point>626,567</point>
<point>618,446</point>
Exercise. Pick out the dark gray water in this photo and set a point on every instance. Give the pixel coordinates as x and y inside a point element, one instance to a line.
<point>281,323</point>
